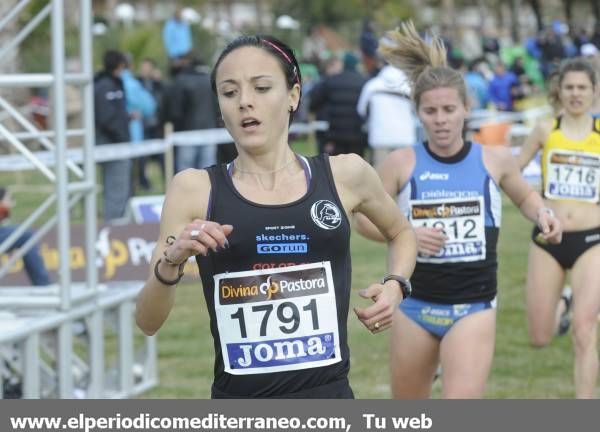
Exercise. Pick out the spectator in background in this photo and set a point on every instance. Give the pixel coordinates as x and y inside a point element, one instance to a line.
<point>595,39</point>
<point>177,36</point>
<point>140,106</point>
<point>552,50</point>
<point>589,50</point>
<point>333,65</point>
<point>150,77</point>
<point>191,105</point>
<point>477,85</point>
<point>523,87</point>
<point>310,78</point>
<point>518,67</point>
<point>368,47</point>
<point>34,264</point>
<point>112,126</point>
<point>338,94</point>
<point>139,102</point>
<point>490,44</point>
<point>580,37</point>
<point>501,87</point>
<point>314,46</point>
<point>385,104</point>
<point>592,54</point>
<point>532,47</point>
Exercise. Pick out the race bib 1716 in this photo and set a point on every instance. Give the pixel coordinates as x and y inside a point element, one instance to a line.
<point>572,175</point>
<point>277,319</point>
<point>461,220</point>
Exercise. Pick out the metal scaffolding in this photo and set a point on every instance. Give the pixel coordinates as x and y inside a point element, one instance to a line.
<point>25,332</point>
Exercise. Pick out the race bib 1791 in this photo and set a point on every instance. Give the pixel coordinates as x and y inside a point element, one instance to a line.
<point>277,319</point>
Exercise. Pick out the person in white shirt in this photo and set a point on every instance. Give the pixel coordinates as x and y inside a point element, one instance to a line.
<point>386,106</point>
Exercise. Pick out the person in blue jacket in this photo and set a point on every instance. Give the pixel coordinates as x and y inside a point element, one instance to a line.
<point>177,36</point>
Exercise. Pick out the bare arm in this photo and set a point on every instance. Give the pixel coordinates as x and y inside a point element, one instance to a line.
<point>180,216</point>
<point>522,194</point>
<point>533,143</point>
<point>361,186</point>
<point>393,172</point>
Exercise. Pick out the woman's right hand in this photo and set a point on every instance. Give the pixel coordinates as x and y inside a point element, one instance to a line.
<point>430,240</point>
<point>198,238</point>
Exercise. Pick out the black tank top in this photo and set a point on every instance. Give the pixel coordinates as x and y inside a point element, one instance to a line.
<point>278,297</point>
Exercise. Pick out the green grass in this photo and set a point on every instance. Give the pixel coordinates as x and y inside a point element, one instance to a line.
<point>519,371</point>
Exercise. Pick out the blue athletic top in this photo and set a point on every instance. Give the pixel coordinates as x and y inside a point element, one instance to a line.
<point>457,195</point>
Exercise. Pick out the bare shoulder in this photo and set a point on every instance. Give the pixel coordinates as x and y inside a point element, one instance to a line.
<point>542,128</point>
<point>348,169</point>
<point>191,179</point>
<point>497,153</point>
<point>499,161</point>
<point>400,158</point>
<point>189,191</point>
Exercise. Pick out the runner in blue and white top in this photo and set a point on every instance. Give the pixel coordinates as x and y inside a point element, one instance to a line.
<point>449,189</point>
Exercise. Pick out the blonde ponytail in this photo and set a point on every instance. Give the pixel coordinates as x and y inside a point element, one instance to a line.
<point>406,49</point>
<point>424,62</point>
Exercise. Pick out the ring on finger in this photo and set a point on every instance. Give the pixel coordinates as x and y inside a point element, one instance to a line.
<point>376,325</point>
<point>194,234</point>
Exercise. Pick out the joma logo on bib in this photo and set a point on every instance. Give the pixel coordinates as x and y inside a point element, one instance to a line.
<point>280,352</point>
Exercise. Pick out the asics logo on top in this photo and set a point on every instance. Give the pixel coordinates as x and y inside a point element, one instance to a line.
<point>428,175</point>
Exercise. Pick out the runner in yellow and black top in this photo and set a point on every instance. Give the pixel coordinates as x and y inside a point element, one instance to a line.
<point>570,147</point>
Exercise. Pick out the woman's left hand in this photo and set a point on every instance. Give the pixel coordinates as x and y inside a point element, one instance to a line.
<point>378,316</point>
<point>549,225</point>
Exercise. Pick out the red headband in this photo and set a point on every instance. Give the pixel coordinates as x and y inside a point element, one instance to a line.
<point>287,57</point>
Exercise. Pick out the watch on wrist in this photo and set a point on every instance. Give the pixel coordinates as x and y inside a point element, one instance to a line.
<point>405,285</point>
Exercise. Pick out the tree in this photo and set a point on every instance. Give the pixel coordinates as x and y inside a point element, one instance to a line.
<point>537,11</point>
<point>596,9</point>
<point>568,7</point>
<point>329,12</point>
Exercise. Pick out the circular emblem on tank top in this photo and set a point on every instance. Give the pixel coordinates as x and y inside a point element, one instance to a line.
<point>326,214</point>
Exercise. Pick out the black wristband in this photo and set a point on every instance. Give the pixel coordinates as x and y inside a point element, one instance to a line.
<point>405,285</point>
<point>165,281</point>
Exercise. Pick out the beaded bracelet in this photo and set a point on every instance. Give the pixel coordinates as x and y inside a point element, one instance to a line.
<point>165,281</point>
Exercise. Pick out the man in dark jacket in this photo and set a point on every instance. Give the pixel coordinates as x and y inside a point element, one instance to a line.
<point>191,105</point>
<point>339,94</point>
<point>112,126</point>
<point>150,78</point>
